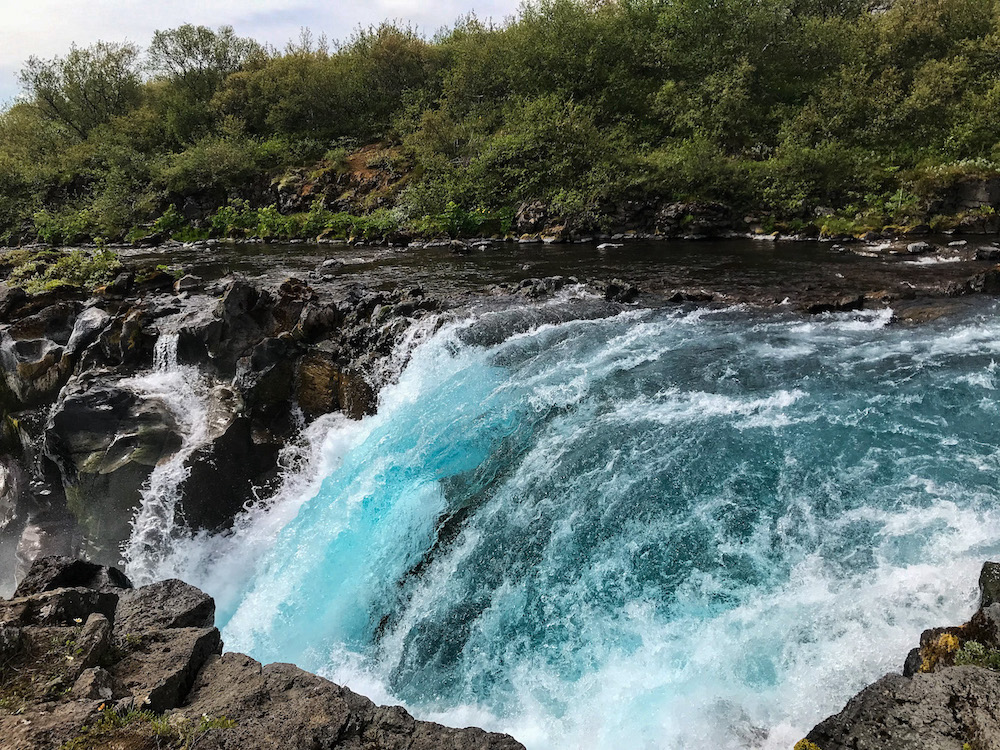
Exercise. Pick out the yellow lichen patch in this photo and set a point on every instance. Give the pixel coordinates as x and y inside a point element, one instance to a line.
<point>945,645</point>
<point>806,745</point>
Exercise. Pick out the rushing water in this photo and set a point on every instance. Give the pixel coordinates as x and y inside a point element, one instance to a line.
<point>662,529</point>
<point>180,388</point>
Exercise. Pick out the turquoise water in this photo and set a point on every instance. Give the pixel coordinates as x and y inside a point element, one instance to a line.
<point>662,529</point>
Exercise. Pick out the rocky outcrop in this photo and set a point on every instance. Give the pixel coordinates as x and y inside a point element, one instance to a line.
<point>76,376</point>
<point>106,440</point>
<point>89,662</point>
<point>948,697</point>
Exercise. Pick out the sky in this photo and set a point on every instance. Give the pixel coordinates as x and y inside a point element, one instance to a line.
<point>47,27</point>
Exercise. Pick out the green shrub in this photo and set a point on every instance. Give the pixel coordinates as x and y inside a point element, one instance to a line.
<point>77,268</point>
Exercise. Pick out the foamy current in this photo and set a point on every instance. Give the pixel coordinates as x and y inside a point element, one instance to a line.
<point>662,529</point>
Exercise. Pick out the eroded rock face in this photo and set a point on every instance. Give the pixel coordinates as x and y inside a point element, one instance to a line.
<point>266,361</point>
<point>935,704</point>
<point>155,648</point>
<point>106,440</point>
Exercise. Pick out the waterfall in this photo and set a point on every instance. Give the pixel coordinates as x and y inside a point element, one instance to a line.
<point>663,529</point>
<point>155,527</point>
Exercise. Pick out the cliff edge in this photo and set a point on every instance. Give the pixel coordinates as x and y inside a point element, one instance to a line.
<point>947,698</point>
<point>87,661</point>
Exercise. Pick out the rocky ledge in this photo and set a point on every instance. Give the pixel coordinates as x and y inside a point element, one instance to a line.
<point>947,698</point>
<point>88,661</point>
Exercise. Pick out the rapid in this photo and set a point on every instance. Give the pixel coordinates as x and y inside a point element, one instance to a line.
<point>660,528</point>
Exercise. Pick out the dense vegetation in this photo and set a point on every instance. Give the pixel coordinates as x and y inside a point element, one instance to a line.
<point>782,108</point>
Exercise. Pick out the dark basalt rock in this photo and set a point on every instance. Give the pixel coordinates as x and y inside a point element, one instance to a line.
<point>934,704</point>
<point>163,605</point>
<point>51,573</point>
<point>106,440</point>
<point>11,298</point>
<point>939,711</point>
<point>620,291</point>
<point>156,650</point>
<point>843,304</point>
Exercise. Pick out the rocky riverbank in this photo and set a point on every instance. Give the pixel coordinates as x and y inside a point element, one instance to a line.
<point>140,393</point>
<point>947,697</point>
<point>88,661</point>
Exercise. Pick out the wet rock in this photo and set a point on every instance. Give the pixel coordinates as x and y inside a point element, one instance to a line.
<point>988,253</point>
<point>51,573</point>
<point>31,355</point>
<point>989,585</point>
<point>324,385</point>
<point>106,440</point>
<point>187,283</point>
<point>919,248</point>
<point>233,464</point>
<point>620,291</point>
<point>163,605</point>
<point>242,318</point>
<point>88,326</point>
<point>121,285</point>
<point>154,281</point>
<point>987,282</point>
<point>844,304</point>
<point>934,703</point>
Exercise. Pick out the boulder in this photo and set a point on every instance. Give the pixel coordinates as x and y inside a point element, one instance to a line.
<point>163,655</point>
<point>11,298</point>
<point>694,218</point>
<point>159,666</point>
<point>163,605</point>
<point>62,607</point>
<point>187,283</point>
<point>939,711</point>
<point>50,573</point>
<point>272,704</point>
<point>934,704</point>
<point>531,218</point>
<point>989,585</point>
<point>224,475</point>
<point>620,291</point>
<point>97,684</point>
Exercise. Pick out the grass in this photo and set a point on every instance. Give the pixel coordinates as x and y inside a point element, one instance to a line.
<point>144,729</point>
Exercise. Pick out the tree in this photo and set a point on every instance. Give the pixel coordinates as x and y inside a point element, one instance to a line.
<point>87,87</point>
<point>198,59</point>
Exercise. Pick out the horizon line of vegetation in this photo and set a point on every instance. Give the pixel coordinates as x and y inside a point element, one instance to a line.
<point>862,112</point>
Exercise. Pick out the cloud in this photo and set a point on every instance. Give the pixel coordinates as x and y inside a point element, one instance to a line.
<point>48,27</point>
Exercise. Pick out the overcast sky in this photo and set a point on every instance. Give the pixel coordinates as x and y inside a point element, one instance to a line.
<point>48,27</point>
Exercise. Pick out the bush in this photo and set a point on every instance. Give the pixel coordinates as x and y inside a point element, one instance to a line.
<point>42,273</point>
